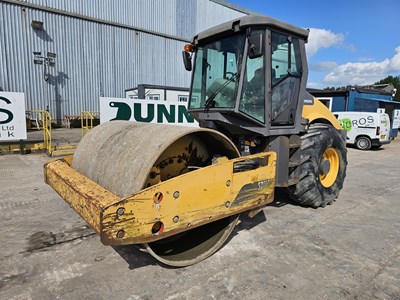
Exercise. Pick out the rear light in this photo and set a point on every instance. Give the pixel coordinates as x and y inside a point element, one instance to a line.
<point>378,130</point>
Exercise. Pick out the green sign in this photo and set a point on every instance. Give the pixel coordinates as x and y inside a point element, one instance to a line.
<point>346,124</point>
<point>7,116</point>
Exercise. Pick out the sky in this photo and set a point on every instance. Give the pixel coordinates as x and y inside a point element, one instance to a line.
<point>353,42</point>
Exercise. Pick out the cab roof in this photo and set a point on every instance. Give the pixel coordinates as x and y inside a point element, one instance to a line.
<point>253,20</point>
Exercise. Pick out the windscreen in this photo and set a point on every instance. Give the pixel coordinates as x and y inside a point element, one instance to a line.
<point>216,73</point>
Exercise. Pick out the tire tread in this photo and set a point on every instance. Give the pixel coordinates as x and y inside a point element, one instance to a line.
<point>309,191</point>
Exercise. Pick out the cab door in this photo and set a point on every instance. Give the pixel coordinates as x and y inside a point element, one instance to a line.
<point>286,75</point>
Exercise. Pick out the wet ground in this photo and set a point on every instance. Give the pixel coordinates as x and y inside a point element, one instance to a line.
<point>349,250</point>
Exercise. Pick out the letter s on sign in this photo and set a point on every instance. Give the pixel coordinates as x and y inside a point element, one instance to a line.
<point>9,114</point>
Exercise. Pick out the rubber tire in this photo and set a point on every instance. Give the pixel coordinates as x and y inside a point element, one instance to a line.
<point>309,191</point>
<point>367,141</point>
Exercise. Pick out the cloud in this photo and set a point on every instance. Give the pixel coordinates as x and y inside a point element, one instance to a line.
<point>314,85</point>
<point>365,59</point>
<point>364,73</point>
<point>322,38</point>
<point>395,61</point>
<point>323,66</point>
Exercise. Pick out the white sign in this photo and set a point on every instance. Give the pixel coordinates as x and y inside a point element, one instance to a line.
<point>12,116</point>
<point>147,111</point>
<point>396,119</point>
<point>380,110</point>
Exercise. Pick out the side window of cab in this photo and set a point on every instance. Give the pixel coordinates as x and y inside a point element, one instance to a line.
<point>285,78</point>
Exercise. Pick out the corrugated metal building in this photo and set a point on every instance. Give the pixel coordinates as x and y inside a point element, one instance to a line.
<point>102,47</point>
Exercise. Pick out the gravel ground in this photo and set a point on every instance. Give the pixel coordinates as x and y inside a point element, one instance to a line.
<point>349,250</point>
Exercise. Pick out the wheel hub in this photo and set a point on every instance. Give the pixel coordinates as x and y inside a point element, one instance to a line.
<point>363,143</point>
<point>329,167</point>
<point>324,167</point>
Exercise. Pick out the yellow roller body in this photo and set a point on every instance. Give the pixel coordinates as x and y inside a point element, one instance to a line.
<point>178,190</point>
<point>188,201</point>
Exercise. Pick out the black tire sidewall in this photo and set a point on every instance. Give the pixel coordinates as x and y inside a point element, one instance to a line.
<point>331,139</point>
<point>367,140</point>
<point>309,191</point>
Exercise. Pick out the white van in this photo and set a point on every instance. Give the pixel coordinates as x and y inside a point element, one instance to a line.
<point>365,129</point>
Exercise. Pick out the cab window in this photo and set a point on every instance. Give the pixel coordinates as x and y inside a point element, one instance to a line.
<point>285,78</point>
<point>252,101</point>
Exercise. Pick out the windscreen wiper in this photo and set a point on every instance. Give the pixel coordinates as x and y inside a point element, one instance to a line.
<point>210,101</point>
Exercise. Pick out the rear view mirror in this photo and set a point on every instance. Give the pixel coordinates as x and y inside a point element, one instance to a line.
<point>255,45</point>
<point>187,61</point>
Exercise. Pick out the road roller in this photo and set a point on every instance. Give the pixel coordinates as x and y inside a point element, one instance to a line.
<point>176,191</point>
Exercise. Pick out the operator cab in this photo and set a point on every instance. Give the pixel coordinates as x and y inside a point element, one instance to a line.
<point>249,77</point>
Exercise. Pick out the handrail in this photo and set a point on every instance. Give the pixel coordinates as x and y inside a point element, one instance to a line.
<point>87,118</point>
<point>43,122</point>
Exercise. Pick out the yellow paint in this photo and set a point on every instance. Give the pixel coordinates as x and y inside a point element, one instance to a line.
<point>85,196</point>
<point>43,120</point>
<point>188,200</point>
<point>11,148</point>
<point>318,111</point>
<point>328,179</point>
<point>87,118</point>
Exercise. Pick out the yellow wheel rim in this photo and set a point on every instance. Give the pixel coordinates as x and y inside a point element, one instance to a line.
<point>328,179</point>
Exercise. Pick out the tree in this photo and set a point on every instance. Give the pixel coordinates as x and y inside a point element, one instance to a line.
<point>341,88</point>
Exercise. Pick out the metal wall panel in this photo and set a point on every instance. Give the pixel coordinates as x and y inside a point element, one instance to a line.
<point>173,17</point>
<point>95,58</point>
<point>156,15</point>
<point>211,14</point>
<point>186,15</point>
